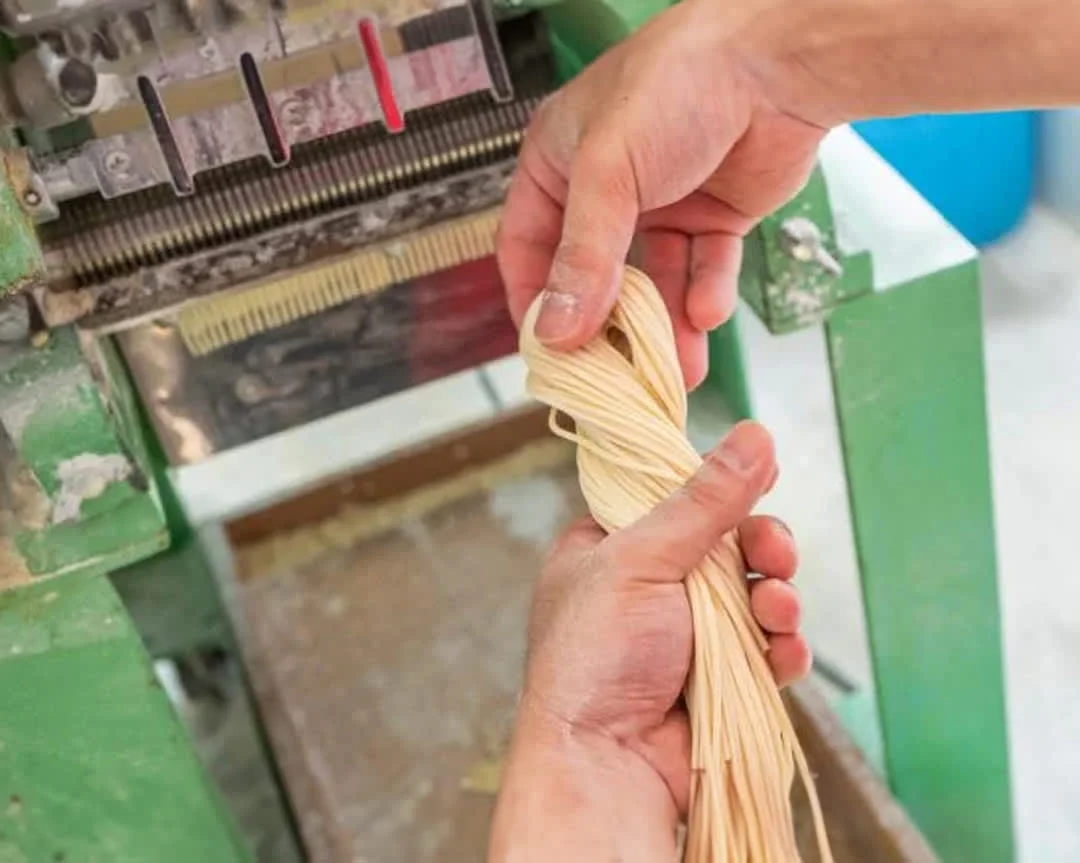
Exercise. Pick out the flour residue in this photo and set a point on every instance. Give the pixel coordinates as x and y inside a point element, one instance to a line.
<point>83,478</point>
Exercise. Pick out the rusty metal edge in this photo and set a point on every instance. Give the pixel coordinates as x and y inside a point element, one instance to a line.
<point>852,785</point>
<point>400,473</point>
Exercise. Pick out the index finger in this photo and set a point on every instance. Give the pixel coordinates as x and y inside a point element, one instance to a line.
<point>529,231</point>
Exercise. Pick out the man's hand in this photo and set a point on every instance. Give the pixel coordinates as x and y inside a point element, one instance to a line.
<point>708,118</point>
<point>602,736</point>
<point>669,138</point>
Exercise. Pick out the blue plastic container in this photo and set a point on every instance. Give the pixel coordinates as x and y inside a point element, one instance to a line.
<point>978,170</point>
<point>1059,162</point>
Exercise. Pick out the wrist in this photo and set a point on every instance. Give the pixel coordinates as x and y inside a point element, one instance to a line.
<point>572,794</point>
<point>829,62</point>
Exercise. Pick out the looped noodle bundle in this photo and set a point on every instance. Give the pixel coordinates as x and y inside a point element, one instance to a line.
<point>625,394</point>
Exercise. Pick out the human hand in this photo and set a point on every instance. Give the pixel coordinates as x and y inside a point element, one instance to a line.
<point>670,139</point>
<point>602,739</point>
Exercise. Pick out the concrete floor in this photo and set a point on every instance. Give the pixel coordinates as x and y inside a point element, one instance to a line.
<point>1032,317</point>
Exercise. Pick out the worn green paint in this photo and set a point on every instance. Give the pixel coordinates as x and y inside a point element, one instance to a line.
<point>727,371</point>
<point>20,254</point>
<point>135,436</point>
<point>53,411</point>
<point>785,293</point>
<point>174,602</point>
<point>94,765</point>
<point>125,534</point>
<point>858,712</point>
<point>173,597</point>
<point>52,408</point>
<point>908,379</point>
<point>581,30</point>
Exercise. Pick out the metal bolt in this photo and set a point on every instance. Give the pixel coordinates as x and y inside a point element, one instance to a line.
<point>803,241</point>
<point>117,162</point>
<point>32,198</point>
<point>78,83</point>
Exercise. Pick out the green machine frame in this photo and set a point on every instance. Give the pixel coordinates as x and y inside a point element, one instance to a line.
<point>94,763</point>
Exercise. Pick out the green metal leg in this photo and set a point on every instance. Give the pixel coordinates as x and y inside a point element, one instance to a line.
<point>176,602</point>
<point>908,381</point>
<point>21,262</point>
<point>727,371</point>
<point>95,766</point>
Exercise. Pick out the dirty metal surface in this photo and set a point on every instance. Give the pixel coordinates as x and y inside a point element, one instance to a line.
<point>412,332</point>
<point>109,260</point>
<point>315,79</point>
<point>179,279</point>
<point>20,255</point>
<point>79,494</point>
<point>387,673</point>
<point>95,765</point>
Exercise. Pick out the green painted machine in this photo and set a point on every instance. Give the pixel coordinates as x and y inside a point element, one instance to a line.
<point>221,221</point>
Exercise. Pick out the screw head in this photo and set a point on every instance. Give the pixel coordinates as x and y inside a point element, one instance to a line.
<point>32,198</point>
<point>117,162</point>
<point>804,243</point>
<point>78,83</point>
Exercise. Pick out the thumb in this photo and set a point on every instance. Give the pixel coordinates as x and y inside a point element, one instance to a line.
<point>598,226</point>
<point>671,540</point>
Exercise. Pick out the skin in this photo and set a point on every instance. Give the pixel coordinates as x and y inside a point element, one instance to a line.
<point>667,151</point>
<point>602,737</point>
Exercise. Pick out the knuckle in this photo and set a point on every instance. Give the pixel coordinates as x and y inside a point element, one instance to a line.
<point>604,160</point>
<point>580,535</point>
<point>612,557</point>
<point>575,257</point>
<point>718,483</point>
<point>624,561</point>
<point>705,492</point>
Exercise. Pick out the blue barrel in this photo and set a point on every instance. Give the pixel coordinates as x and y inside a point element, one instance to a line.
<point>978,170</point>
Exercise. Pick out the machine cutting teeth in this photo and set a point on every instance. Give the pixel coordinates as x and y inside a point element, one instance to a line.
<point>233,316</point>
<point>96,240</point>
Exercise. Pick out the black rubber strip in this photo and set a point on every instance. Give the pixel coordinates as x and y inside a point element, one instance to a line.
<point>276,145</point>
<point>488,33</point>
<point>166,141</point>
<point>438,28</point>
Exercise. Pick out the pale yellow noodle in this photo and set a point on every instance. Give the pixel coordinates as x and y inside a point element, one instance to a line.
<point>624,392</point>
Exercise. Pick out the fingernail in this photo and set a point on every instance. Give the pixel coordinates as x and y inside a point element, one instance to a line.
<point>560,312</point>
<point>741,450</point>
<point>783,525</point>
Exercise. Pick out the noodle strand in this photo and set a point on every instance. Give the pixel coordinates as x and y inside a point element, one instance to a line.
<point>625,395</point>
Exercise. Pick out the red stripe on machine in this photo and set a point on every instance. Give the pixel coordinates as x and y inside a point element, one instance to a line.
<point>380,75</point>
